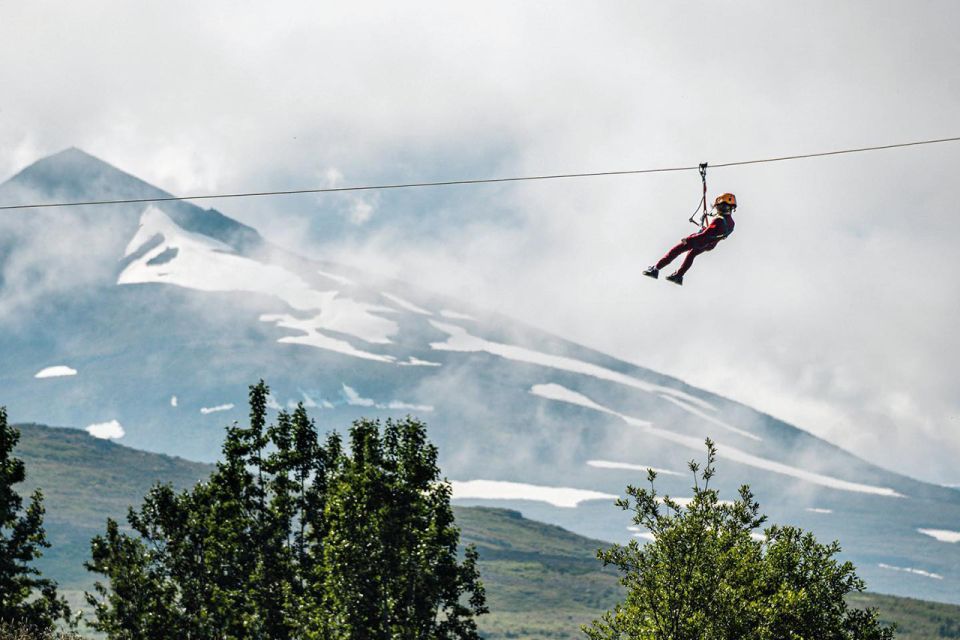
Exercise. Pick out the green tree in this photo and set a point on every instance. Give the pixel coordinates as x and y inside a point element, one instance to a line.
<point>390,566</point>
<point>705,577</point>
<point>25,596</point>
<point>291,537</point>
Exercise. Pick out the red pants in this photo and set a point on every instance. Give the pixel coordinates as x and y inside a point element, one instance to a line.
<point>692,246</point>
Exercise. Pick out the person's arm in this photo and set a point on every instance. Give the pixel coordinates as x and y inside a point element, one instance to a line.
<point>715,229</point>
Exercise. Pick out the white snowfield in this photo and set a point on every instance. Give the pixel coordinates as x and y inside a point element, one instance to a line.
<point>565,497</point>
<point>354,399</point>
<point>455,315</point>
<point>111,430</point>
<point>628,466</point>
<point>703,416</point>
<point>404,304</point>
<point>461,340</point>
<point>58,371</point>
<point>217,409</point>
<point>313,338</point>
<point>942,535</point>
<point>339,279</point>
<point>199,262</point>
<point>560,393</point>
<point>639,532</point>
<point>416,362</point>
<point>917,572</point>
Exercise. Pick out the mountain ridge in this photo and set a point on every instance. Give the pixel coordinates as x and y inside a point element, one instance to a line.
<point>166,327</point>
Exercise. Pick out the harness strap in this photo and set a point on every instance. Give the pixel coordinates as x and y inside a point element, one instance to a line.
<point>703,200</point>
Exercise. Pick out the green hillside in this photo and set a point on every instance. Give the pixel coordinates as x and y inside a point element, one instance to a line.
<point>542,581</point>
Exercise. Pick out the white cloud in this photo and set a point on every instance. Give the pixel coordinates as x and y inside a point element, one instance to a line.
<point>819,510</point>
<point>173,401</point>
<point>216,409</point>
<point>56,372</point>
<point>111,430</point>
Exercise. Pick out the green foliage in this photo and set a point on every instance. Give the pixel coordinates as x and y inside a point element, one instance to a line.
<point>705,577</point>
<point>25,597</point>
<point>23,631</point>
<point>295,538</point>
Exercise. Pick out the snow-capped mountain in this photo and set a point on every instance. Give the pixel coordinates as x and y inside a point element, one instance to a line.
<point>148,321</point>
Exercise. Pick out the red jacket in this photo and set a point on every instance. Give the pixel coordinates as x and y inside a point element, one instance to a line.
<point>708,237</point>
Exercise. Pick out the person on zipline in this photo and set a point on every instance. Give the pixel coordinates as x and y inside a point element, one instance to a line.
<point>706,239</point>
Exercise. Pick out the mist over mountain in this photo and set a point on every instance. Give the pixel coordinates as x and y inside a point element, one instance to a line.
<point>146,322</point>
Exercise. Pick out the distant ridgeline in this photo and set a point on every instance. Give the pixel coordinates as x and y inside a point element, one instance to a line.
<point>134,298</point>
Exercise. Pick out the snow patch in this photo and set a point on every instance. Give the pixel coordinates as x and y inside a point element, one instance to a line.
<point>404,406</point>
<point>58,371</point>
<point>313,338</point>
<point>461,340</point>
<point>943,535</point>
<point>404,304</point>
<point>354,399</point>
<point>111,430</point>
<point>336,278</point>
<point>562,394</point>
<point>700,414</point>
<point>565,497</point>
<point>416,362</point>
<point>643,534</point>
<point>454,315</point>
<point>626,466</point>
<point>205,264</point>
<point>918,572</point>
<point>310,403</point>
<point>216,409</point>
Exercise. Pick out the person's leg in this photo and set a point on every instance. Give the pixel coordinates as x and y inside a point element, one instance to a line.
<point>688,261</point>
<point>671,255</point>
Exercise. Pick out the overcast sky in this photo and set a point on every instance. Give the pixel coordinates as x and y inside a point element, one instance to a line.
<point>835,304</point>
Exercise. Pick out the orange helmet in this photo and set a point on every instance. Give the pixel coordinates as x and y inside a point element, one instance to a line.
<point>727,198</point>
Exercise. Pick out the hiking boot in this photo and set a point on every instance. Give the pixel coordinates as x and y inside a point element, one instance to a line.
<point>675,278</point>
<point>653,272</point>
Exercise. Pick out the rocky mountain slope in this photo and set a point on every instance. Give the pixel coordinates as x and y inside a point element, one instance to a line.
<point>146,322</point>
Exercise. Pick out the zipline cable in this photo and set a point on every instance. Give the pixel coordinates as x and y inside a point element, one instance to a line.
<point>475,181</point>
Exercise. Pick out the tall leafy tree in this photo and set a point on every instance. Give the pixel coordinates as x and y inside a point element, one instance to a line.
<point>25,596</point>
<point>705,577</point>
<point>292,537</point>
<point>390,566</point>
